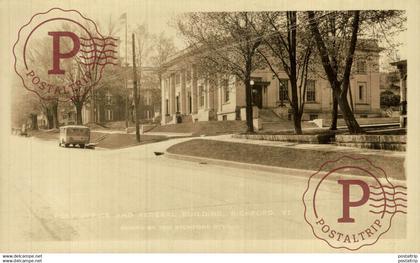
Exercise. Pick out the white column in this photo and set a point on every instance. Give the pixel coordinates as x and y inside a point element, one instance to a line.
<point>207,96</point>
<point>183,96</point>
<point>403,99</point>
<point>219,94</point>
<point>193,89</point>
<point>172,94</point>
<point>163,97</point>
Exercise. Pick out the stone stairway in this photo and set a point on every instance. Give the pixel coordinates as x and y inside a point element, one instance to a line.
<point>268,115</point>
<point>186,118</point>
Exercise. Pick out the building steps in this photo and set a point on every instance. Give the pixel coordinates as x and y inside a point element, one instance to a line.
<point>187,118</point>
<point>268,115</point>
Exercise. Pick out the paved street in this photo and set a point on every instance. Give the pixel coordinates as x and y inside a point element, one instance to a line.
<point>65,199</point>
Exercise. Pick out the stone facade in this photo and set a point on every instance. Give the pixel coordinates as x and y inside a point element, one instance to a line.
<point>187,96</point>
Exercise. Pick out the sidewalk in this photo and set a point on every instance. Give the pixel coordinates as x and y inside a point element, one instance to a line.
<point>166,134</point>
<point>169,134</point>
<point>318,147</point>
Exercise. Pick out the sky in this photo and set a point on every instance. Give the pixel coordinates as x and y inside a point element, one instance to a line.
<point>157,14</point>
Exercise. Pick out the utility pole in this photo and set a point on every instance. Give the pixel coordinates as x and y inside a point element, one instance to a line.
<point>136,100</point>
<point>140,69</point>
<point>126,79</point>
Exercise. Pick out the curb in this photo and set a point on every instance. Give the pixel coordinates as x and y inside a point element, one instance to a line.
<point>270,169</point>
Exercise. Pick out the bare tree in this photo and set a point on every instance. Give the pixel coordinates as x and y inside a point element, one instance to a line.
<point>289,49</point>
<point>228,44</point>
<point>25,105</point>
<point>339,85</point>
<point>49,107</point>
<point>163,48</point>
<point>143,52</point>
<point>337,39</point>
<point>89,66</point>
<point>135,96</point>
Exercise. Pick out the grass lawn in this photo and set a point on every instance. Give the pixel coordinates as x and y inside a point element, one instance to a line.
<point>365,121</point>
<point>278,156</point>
<point>204,127</point>
<point>117,141</point>
<point>119,126</point>
<point>279,127</point>
<point>226,127</point>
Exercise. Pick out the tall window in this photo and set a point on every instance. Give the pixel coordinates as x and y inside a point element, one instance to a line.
<point>177,103</point>
<point>283,90</point>
<point>201,94</point>
<point>109,115</point>
<point>361,66</point>
<point>188,75</point>
<point>167,106</point>
<point>189,102</point>
<point>108,97</point>
<point>177,78</point>
<point>362,91</point>
<point>226,91</point>
<point>310,91</point>
<point>147,99</point>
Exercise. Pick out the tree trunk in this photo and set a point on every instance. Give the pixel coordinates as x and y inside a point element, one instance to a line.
<point>339,87</point>
<point>92,106</point>
<point>334,113</point>
<point>34,121</point>
<point>248,99</point>
<point>348,115</point>
<point>98,115</point>
<point>297,122</point>
<point>54,112</point>
<point>79,120</point>
<point>297,116</point>
<point>291,39</point>
<point>50,120</point>
<point>135,98</point>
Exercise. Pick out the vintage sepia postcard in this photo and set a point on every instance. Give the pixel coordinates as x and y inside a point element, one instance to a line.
<point>209,126</point>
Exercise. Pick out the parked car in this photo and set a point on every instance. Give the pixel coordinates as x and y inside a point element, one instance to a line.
<point>74,135</point>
